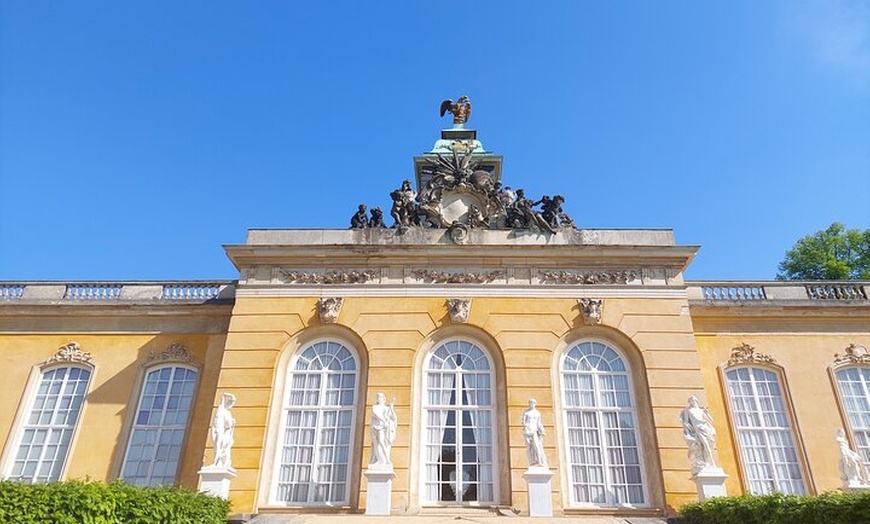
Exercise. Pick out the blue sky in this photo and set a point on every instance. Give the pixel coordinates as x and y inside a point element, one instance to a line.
<point>136,138</point>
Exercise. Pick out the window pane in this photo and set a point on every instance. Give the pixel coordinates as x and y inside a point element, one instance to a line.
<point>158,431</point>
<point>459,459</point>
<point>602,442</point>
<point>314,466</point>
<point>45,439</point>
<point>766,442</point>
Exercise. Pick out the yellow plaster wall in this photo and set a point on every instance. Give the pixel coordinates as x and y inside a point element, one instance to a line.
<point>100,442</point>
<point>805,348</point>
<point>654,334</point>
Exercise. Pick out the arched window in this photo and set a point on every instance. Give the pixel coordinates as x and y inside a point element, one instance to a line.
<point>51,421</point>
<point>458,411</point>
<point>601,423</point>
<point>317,422</point>
<point>854,386</point>
<point>159,426</point>
<point>764,433</point>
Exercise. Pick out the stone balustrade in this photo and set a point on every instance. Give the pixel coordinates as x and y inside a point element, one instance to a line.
<point>91,292</point>
<point>776,290</point>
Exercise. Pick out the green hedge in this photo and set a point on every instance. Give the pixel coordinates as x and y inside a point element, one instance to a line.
<point>76,502</point>
<point>827,508</point>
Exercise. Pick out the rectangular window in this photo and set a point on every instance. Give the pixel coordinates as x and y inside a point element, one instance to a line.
<point>764,434</point>
<point>49,428</point>
<point>159,427</point>
<point>854,384</point>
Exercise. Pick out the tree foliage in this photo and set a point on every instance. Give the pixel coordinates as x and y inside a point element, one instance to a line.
<point>835,253</point>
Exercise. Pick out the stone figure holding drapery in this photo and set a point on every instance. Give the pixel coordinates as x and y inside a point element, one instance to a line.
<point>853,471</point>
<point>384,424</point>
<point>222,431</point>
<point>700,435</point>
<point>533,432</point>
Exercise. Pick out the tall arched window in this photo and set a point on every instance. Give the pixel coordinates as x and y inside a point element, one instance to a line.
<point>159,426</point>
<point>48,430</point>
<point>458,412</point>
<point>601,423</point>
<point>317,422</point>
<point>854,386</point>
<point>764,434</point>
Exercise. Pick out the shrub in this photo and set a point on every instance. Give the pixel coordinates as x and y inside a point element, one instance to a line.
<point>77,502</point>
<point>827,508</point>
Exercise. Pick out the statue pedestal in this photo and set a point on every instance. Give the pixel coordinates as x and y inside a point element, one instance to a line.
<point>215,480</point>
<point>379,492</point>
<point>540,492</point>
<point>710,483</point>
<point>856,486</point>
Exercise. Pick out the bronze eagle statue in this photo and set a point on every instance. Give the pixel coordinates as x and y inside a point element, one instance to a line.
<point>461,110</point>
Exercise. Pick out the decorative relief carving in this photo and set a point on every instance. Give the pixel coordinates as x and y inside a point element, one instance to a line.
<point>176,352</point>
<point>459,308</point>
<point>443,277</point>
<point>855,354</point>
<point>330,277</point>
<point>579,277</point>
<point>329,309</point>
<point>70,352</point>
<point>458,233</point>
<point>745,354</point>
<point>591,309</point>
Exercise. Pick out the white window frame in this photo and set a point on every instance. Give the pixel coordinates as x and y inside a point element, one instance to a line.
<point>599,410</point>
<point>859,433</point>
<point>160,428</point>
<point>26,409</point>
<point>765,431</point>
<point>494,428</point>
<point>280,431</point>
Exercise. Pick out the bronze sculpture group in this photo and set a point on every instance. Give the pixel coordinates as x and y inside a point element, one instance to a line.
<point>490,206</point>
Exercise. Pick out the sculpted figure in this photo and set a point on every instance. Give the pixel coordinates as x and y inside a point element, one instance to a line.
<point>383,432</point>
<point>551,210</point>
<point>377,219</point>
<point>533,432</point>
<point>222,430</point>
<point>522,215</point>
<point>700,435</point>
<point>852,467</point>
<point>359,220</point>
<point>461,110</point>
<point>404,210</point>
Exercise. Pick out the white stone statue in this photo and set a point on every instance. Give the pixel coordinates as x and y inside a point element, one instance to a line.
<point>700,435</point>
<point>222,430</point>
<point>853,471</point>
<point>384,424</point>
<point>533,432</point>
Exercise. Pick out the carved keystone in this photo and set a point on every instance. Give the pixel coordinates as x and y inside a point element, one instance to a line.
<point>329,309</point>
<point>459,308</point>
<point>591,309</point>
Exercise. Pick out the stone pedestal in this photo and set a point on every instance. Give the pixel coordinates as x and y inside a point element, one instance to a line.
<point>710,483</point>
<point>540,492</point>
<point>856,486</point>
<point>215,480</point>
<point>379,492</point>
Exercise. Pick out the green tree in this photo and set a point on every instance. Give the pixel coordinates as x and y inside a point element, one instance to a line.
<point>836,253</point>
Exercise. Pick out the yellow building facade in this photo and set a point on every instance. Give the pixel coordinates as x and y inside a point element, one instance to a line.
<point>459,323</point>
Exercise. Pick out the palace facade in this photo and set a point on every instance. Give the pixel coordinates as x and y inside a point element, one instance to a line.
<point>476,301</point>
